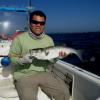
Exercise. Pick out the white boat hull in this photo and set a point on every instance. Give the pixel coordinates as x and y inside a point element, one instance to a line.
<point>84,85</point>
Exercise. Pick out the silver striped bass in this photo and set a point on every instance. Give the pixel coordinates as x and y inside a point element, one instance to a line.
<point>53,52</point>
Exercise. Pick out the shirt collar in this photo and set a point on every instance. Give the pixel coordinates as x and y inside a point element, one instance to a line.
<point>35,36</point>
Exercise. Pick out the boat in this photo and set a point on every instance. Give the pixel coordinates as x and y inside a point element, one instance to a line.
<point>83,85</point>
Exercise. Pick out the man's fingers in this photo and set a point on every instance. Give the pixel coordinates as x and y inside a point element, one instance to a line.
<point>63,54</point>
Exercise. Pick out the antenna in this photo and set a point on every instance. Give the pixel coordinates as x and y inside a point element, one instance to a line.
<point>30,9</point>
<point>30,3</point>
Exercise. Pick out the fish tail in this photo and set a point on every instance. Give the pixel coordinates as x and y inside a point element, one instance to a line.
<point>79,54</point>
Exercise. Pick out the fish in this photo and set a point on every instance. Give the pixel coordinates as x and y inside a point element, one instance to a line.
<point>52,52</point>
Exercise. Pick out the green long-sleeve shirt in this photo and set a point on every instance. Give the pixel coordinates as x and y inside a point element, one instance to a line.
<point>21,46</point>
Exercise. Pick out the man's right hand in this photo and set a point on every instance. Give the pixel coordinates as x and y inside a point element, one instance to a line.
<point>26,59</point>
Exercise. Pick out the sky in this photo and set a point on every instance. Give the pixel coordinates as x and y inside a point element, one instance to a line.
<point>67,16</point>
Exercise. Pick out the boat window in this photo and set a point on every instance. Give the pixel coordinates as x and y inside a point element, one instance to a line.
<point>11,22</point>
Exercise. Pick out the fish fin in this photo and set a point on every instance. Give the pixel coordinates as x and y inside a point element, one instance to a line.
<point>46,52</point>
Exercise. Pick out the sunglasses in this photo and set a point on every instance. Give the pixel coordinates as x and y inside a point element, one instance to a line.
<point>37,22</point>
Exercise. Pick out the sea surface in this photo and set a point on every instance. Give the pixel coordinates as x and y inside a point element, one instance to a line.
<point>87,43</point>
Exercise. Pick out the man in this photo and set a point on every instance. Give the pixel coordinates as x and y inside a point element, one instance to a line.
<point>33,73</point>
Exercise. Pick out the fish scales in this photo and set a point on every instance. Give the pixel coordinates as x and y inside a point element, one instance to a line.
<point>52,52</point>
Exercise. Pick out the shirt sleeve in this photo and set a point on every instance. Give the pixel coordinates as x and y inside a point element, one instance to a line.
<point>15,52</point>
<point>51,42</point>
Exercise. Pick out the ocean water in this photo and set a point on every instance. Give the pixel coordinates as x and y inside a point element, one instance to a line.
<point>88,43</point>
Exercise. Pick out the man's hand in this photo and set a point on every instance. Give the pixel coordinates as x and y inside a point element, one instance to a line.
<point>62,54</point>
<point>26,59</point>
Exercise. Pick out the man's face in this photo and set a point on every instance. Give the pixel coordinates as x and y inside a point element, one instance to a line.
<point>37,24</point>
